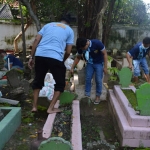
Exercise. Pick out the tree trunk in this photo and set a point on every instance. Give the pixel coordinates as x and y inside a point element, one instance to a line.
<point>99,21</point>
<point>108,22</point>
<point>90,18</point>
<point>19,36</point>
<point>31,8</point>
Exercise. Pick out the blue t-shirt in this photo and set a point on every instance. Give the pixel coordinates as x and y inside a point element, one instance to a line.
<point>14,61</point>
<point>55,37</point>
<point>138,51</point>
<point>95,52</point>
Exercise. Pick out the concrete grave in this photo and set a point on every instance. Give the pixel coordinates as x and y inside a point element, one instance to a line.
<point>9,124</point>
<point>132,129</point>
<point>79,82</point>
<point>9,101</point>
<point>76,137</point>
<point>81,76</point>
<point>143,99</point>
<point>15,80</point>
<point>125,76</point>
<point>125,62</point>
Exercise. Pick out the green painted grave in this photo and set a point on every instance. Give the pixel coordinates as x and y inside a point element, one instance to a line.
<point>125,76</point>
<point>143,99</point>
<point>9,124</point>
<point>55,143</point>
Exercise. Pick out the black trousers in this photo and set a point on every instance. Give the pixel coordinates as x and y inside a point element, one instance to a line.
<point>55,67</point>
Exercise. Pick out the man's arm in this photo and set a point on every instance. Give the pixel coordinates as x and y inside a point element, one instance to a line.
<point>129,59</point>
<point>68,51</point>
<point>35,43</point>
<point>76,60</point>
<point>105,60</point>
<point>34,46</point>
<point>148,53</point>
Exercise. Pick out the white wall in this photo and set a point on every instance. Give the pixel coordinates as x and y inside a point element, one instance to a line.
<point>124,37</point>
<point>9,31</point>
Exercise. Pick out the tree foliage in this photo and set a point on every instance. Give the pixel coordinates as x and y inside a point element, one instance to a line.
<point>89,17</point>
<point>131,12</point>
<point>53,10</point>
<point>89,13</point>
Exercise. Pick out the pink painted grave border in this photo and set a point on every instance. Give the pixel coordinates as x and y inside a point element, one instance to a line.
<point>76,137</point>
<point>131,136</point>
<point>134,119</point>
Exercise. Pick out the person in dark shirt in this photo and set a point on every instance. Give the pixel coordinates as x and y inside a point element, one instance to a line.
<point>96,57</point>
<point>10,61</point>
<point>137,57</point>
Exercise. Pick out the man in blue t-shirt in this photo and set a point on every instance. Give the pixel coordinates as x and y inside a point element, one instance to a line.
<point>137,57</point>
<point>52,46</point>
<point>96,57</point>
<point>11,62</point>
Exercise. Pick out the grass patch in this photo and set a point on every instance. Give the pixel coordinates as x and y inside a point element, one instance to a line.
<point>131,96</point>
<point>90,130</point>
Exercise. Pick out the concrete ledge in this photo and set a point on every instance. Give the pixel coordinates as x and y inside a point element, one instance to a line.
<point>133,142</point>
<point>130,136</point>
<point>76,137</point>
<point>9,124</point>
<point>133,119</point>
<point>48,126</point>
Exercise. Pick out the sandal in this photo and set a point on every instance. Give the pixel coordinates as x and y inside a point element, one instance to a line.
<point>97,102</point>
<point>88,98</point>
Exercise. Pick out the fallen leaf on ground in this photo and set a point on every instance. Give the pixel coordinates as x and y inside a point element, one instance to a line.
<point>33,136</point>
<point>60,134</point>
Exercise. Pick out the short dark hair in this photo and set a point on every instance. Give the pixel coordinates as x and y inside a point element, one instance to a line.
<point>81,42</point>
<point>146,40</point>
<point>66,19</point>
<point>2,51</point>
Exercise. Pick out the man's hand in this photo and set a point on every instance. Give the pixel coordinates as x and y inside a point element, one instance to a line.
<point>72,71</point>
<point>130,67</point>
<point>31,63</point>
<point>105,71</point>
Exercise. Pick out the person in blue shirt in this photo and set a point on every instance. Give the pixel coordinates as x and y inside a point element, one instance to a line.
<point>137,58</point>
<point>51,47</point>
<point>11,62</point>
<point>96,58</point>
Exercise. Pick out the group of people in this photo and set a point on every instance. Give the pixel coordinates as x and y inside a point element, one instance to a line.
<point>53,45</point>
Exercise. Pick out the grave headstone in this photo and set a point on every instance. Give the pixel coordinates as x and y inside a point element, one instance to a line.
<point>55,143</point>
<point>125,62</point>
<point>81,76</point>
<point>13,78</point>
<point>85,106</point>
<point>125,76</point>
<point>143,99</point>
<point>67,97</point>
